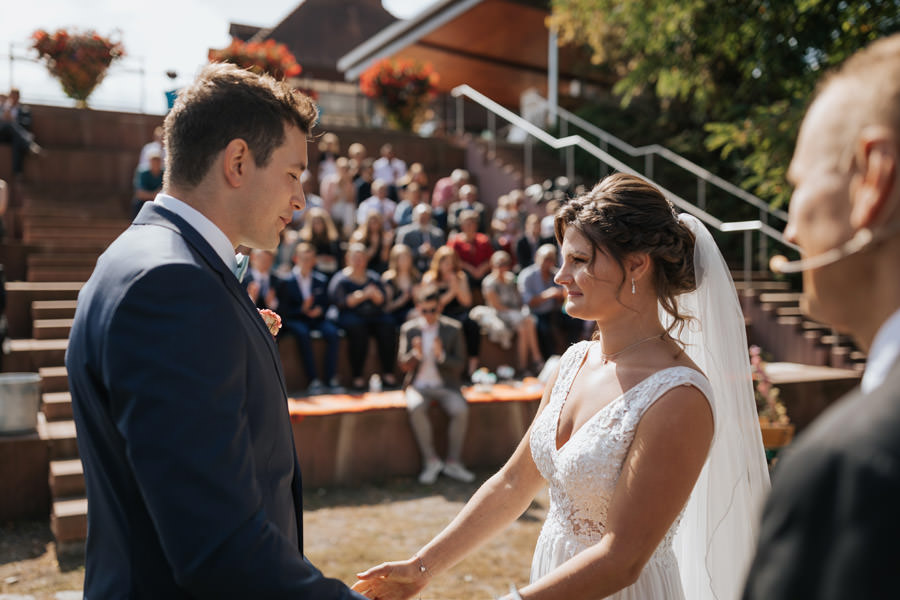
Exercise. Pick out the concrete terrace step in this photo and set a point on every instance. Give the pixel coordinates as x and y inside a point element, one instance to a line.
<point>50,329</point>
<point>780,297</point>
<point>66,478</point>
<point>54,379</point>
<point>29,355</point>
<point>60,437</point>
<point>53,309</point>
<point>57,406</point>
<point>21,294</point>
<point>60,273</point>
<point>779,286</point>
<point>68,519</point>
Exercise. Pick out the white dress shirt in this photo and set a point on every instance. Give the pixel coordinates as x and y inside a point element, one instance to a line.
<point>884,353</point>
<point>206,228</point>
<point>428,376</point>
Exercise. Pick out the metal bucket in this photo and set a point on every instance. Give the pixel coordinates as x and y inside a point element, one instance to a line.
<point>20,397</point>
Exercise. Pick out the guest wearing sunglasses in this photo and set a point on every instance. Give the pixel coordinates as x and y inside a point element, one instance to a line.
<point>432,356</point>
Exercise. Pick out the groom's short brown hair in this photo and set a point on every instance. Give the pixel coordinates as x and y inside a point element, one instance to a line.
<point>226,103</point>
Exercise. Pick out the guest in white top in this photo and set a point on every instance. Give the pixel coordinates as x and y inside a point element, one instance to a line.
<point>378,202</point>
<point>388,167</point>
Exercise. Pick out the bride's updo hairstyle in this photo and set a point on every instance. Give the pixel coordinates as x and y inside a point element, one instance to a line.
<point>624,214</point>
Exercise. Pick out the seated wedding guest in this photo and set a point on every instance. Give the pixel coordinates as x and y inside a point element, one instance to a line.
<point>15,129</point>
<point>545,299</point>
<point>329,151</point>
<point>303,302</point>
<point>359,296</point>
<point>378,202</point>
<point>338,187</point>
<point>830,527</point>
<point>312,200</point>
<point>473,249</point>
<point>431,356</point>
<point>376,240</point>
<point>388,167</point>
<point>422,236</point>
<point>468,200</point>
<point>446,189</point>
<point>320,231</point>
<point>148,182</point>
<point>154,146</point>
<point>412,197</point>
<point>505,230</point>
<point>414,174</point>
<point>505,315</point>
<point>260,283</point>
<point>400,281</point>
<point>4,205</point>
<point>529,242</point>
<point>455,298</point>
<point>363,179</point>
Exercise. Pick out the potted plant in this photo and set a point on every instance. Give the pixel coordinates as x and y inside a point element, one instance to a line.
<point>260,57</point>
<point>402,89</point>
<point>777,430</point>
<point>79,60</point>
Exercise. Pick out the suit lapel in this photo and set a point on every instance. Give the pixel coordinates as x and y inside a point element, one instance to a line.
<point>153,214</point>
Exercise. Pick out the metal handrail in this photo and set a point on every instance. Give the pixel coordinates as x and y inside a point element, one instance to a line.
<point>676,159</point>
<point>571,141</point>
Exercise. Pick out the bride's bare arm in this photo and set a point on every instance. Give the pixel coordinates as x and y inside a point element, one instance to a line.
<point>498,502</point>
<point>665,459</point>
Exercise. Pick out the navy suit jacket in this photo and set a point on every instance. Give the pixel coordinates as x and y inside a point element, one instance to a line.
<point>193,483</point>
<point>290,297</point>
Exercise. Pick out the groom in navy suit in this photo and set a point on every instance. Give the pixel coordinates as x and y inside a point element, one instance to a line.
<point>192,479</point>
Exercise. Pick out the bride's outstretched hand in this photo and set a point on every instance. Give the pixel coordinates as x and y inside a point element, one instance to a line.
<point>392,581</point>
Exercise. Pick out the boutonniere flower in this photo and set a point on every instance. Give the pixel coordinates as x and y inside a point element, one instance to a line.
<point>271,319</point>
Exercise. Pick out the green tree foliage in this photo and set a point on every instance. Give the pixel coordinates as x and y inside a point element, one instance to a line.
<point>742,71</point>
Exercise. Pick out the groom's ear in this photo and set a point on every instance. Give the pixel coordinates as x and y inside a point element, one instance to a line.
<point>235,160</point>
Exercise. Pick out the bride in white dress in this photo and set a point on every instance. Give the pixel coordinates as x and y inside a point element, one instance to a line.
<point>647,435</point>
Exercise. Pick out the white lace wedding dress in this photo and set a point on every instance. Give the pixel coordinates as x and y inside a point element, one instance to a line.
<point>582,475</point>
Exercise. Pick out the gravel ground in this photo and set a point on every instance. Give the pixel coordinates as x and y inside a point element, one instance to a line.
<point>346,530</point>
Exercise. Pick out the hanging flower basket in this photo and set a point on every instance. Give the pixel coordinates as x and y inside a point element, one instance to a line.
<point>78,60</point>
<point>260,57</point>
<point>402,88</point>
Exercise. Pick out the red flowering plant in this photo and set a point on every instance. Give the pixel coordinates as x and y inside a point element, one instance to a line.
<point>78,59</point>
<point>768,405</point>
<point>260,57</point>
<point>402,87</point>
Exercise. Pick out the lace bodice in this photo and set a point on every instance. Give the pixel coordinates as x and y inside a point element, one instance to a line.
<point>583,473</point>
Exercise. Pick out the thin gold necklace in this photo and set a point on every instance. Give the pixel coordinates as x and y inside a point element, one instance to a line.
<point>608,357</point>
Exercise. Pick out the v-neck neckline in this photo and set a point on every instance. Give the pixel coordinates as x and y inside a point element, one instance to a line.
<point>559,448</point>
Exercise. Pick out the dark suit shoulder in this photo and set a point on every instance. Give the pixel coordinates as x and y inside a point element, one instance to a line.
<point>448,323</point>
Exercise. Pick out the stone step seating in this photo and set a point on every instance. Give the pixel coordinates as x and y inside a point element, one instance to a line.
<point>47,329</point>
<point>20,295</point>
<point>56,406</point>
<point>783,330</point>
<point>53,309</point>
<point>67,478</point>
<point>54,379</point>
<point>59,266</point>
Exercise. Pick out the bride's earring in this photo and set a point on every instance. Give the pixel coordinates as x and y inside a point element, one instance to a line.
<point>632,286</point>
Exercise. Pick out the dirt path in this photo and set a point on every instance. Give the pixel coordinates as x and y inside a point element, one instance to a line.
<point>346,530</point>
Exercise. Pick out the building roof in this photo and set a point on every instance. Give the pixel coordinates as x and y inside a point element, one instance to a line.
<point>319,32</point>
<point>499,47</point>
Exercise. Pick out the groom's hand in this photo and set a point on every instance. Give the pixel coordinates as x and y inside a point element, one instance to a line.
<point>392,581</point>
